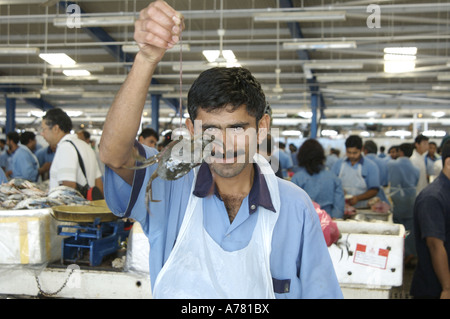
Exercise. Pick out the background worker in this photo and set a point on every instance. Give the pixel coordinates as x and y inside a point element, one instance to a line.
<point>359,175</point>
<point>431,225</point>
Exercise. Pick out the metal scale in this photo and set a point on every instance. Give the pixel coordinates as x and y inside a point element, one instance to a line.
<point>97,233</point>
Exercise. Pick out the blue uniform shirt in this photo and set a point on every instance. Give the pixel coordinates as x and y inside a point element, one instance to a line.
<point>300,264</point>
<point>324,188</point>
<point>369,171</point>
<point>45,155</point>
<point>431,219</point>
<point>3,178</point>
<point>24,164</point>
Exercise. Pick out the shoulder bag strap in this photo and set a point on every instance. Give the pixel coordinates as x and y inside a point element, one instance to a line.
<point>80,160</point>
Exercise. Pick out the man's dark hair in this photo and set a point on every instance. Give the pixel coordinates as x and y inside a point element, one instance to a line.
<point>146,132</point>
<point>370,147</point>
<point>406,148</point>
<point>353,141</point>
<point>445,152</point>
<point>311,156</point>
<point>26,137</point>
<point>218,87</point>
<point>396,147</point>
<point>419,138</point>
<point>13,136</point>
<point>58,117</point>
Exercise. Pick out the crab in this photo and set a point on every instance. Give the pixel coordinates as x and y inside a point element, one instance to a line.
<point>171,166</point>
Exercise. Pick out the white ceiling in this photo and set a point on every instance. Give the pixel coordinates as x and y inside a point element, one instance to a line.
<point>365,98</point>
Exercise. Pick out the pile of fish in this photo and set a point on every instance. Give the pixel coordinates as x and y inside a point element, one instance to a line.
<point>23,194</point>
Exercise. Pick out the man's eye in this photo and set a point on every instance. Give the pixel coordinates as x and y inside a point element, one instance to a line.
<point>238,129</point>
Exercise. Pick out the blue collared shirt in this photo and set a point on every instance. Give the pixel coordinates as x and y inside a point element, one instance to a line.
<point>369,171</point>
<point>300,264</point>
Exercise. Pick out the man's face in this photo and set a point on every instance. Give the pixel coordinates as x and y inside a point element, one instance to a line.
<point>431,149</point>
<point>393,153</point>
<point>149,141</point>
<point>422,147</point>
<point>353,154</point>
<point>48,134</point>
<point>235,139</point>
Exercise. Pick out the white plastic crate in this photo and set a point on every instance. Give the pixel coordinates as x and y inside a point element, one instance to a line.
<point>28,237</point>
<point>369,254</point>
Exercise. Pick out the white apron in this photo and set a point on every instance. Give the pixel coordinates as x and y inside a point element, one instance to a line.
<point>353,182</point>
<point>198,267</point>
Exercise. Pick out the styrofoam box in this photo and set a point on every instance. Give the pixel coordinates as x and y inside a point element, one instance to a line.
<point>138,250</point>
<point>369,253</point>
<point>28,237</point>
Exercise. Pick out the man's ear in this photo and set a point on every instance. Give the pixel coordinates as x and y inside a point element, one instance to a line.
<point>263,128</point>
<point>447,162</point>
<point>190,126</point>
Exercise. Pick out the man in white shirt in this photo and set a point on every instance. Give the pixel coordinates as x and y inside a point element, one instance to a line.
<point>66,170</point>
<point>418,160</point>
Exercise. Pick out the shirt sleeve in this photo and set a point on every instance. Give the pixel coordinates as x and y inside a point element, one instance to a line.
<point>371,174</point>
<point>338,200</point>
<point>316,283</point>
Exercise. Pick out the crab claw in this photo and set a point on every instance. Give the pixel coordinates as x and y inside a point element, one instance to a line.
<point>145,162</point>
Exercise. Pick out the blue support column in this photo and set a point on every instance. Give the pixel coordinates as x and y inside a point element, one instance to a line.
<point>10,115</point>
<point>314,104</point>
<point>155,111</point>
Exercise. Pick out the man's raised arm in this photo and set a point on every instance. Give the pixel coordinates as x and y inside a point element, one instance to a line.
<point>157,29</point>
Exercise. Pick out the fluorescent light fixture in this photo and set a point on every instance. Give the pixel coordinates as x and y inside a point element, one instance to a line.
<point>399,59</point>
<point>35,113</point>
<point>213,55</point>
<point>305,114</point>
<point>20,79</point>
<point>104,21</point>
<point>176,48</point>
<point>76,73</point>
<point>161,88</point>
<point>401,51</point>
<point>342,78</point>
<point>74,113</point>
<point>309,45</point>
<point>60,59</point>
<point>333,65</point>
<point>434,133</point>
<point>398,133</point>
<point>18,50</point>
<point>61,91</point>
<point>291,133</point>
<point>329,133</point>
<point>438,114</point>
<point>25,95</point>
<point>304,16</point>
<point>111,79</point>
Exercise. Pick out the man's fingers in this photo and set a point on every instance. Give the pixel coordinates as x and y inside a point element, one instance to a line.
<point>159,25</point>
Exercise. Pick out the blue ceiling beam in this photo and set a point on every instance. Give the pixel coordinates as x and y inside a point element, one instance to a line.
<point>296,33</point>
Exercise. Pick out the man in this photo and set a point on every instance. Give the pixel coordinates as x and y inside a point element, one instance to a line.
<point>418,160</point>
<point>23,163</point>
<point>65,169</point>
<point>359,175</point>
<point>403,178</point>
<point>393,150</point>
<point>430,159</point>
<point>28,139</point>
<point>431,225</point>
<point>370,149</point>
<point>245,244</point>
<point>148,137</point>
<point>84,136</point>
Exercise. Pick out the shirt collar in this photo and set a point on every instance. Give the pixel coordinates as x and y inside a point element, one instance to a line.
<point>259,194</point>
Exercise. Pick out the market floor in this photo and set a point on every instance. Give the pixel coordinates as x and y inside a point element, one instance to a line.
<point>402,292</point>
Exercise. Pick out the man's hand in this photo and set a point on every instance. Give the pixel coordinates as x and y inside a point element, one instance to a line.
<point>158,29</point>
